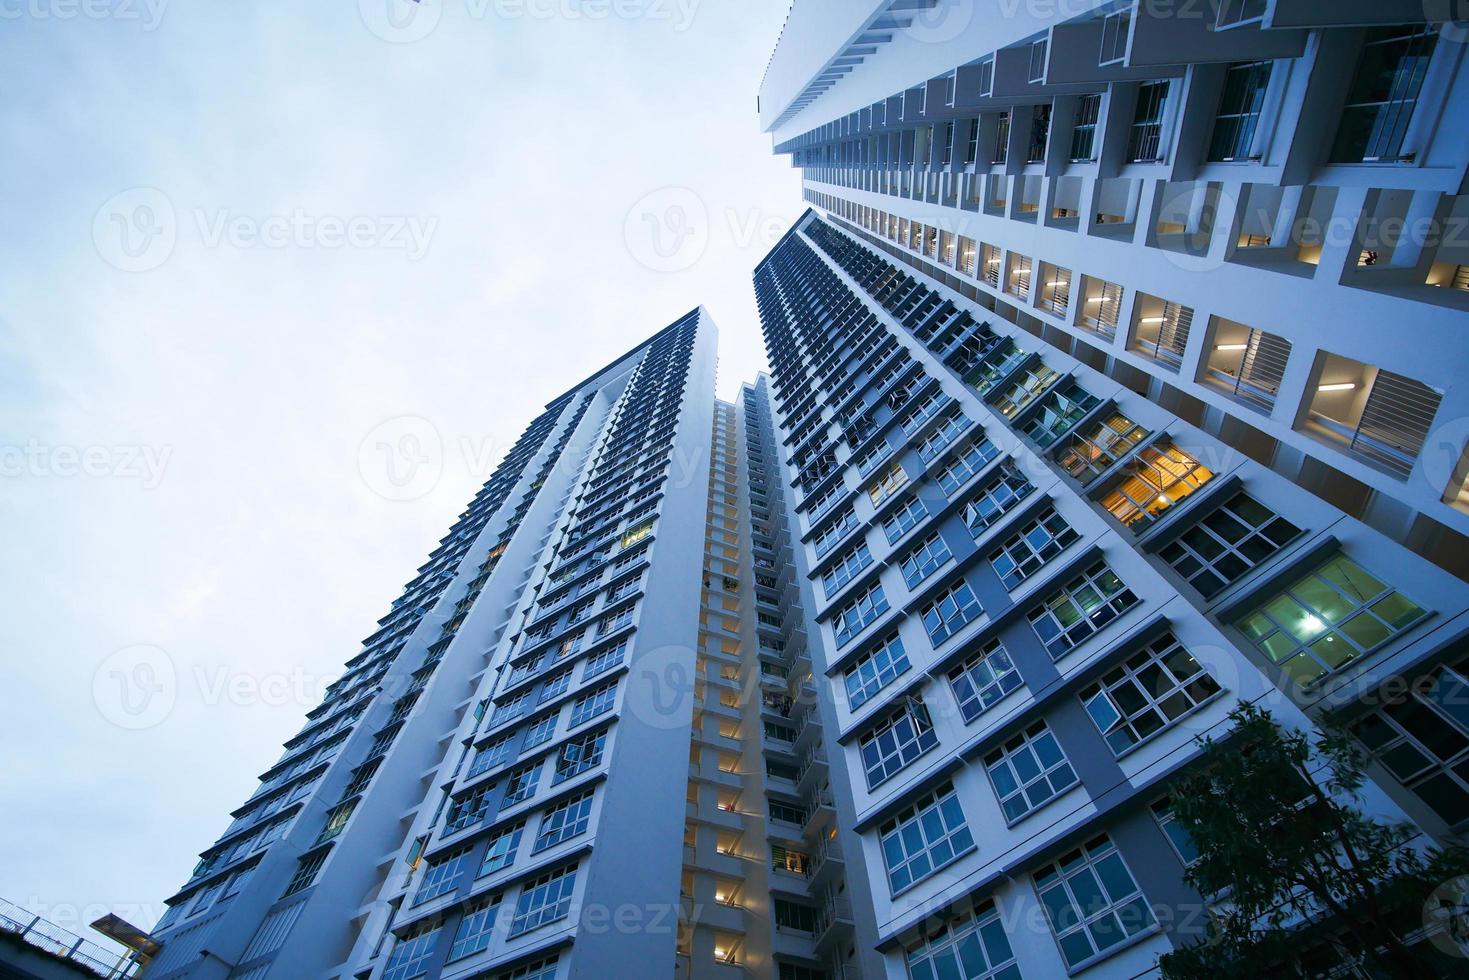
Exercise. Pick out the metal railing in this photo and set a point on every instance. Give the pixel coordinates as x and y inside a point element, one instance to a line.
<point>105,961</point>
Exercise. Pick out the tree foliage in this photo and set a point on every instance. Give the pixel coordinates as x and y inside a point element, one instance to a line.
<point>1293,870</point>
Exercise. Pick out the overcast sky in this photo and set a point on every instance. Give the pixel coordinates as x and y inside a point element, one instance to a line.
<point>245,243</point>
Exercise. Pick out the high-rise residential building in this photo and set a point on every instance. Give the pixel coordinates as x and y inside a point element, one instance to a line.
<point>583,743</point>
<point>1118,378</point>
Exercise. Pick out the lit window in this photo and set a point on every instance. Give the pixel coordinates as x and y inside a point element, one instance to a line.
<point>1089,453</point>
<point>1080,608</point>
<point>1153,481</point>
<point>1323,621</point>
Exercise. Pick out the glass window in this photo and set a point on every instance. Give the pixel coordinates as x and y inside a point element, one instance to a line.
<point>501,852</point>
<point>896,741</point>
<point>1058,412</point>
<point>1178,837</point>
<point>1422,738</point>
<point>846,568</point>
<point>949,612</point>
<point>1000,493</point>
<point>857,614</point>
<point>604,660</point>
<point>544,900</point>
<point>1384,93</point>
<point>904,519</point>
<point>1227,543</point>
<point>1089,453</point>
<point>925,837</point>
<point>871,673</point>
<point>540,731</point>
<point>476,929</point>
<point>1147,693</point>
<point>925,559</point>
<point>1080,608</point>
<point>1028,771</point>
<point>442,875</point>
<point>565,821</point>
<point>972,946</point>
<point>1158,477</point>
<point>520,785</point>
<point>1324,620</point>
<point>412,952</point>
<point>890,482</point>
<point>579,755</point>
<point>1024,553</point>
<point>1240,106</point>
<point>964,464</point>
<point>983,680</point>
<point>593,703</point>
<point>1092,901</point>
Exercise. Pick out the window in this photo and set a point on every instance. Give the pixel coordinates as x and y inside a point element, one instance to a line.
<point>1383,95</point>
<point>896,741</point>
<point>972,946</point>
<point>1422,738</point>
<point>476,929</point>
<point>794,971</point>
<point>442,875</point>
<point>1058,412</point>
<point>520,785</point>
<point>593,703</point>
<point>540,731</point>
<point>604,660</point>
<point>543,901</point>
<point>925,837</point>
<point>869,460</point>
<point>1000,493</point>
<point>1323,621</point>
<point>1226,544</point>
<point>1027,550</point>
<point>492,756</point>
<point>875,671</point>
<point>859,613</point>
<point>501,852</point>
<point>617,620</point>
<point>539,970</point>
<point>799,918</point>
<point>1145,143</point>
<point>555,685</point>
<point>954,423</point>
<point>306,871</point>
<point>412,952</point>
<point>833,531</point>
<point>845,569</point>
<point>1084,135</point>
<point>1153,481</point>
<point>1147,693</point>
<point>924,560</point>
<point>787,813</point>
<point>579,755</point>
<point>983,680</point>
<point>1028,771</point>
<point>904,519</point>
<point>566,821</point>
<point>1090,453</point>
<point>336,822</point>
<point>1182,843</point>
<point>966,462</point>
<point>1080,608</point>
<point>1092,901</point>
<point>890,482</point>
<point>513,708</point>
<point>949,612</point>
<point>1240,106</point>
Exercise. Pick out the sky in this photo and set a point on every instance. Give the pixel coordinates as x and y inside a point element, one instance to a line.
<point>247,246</point>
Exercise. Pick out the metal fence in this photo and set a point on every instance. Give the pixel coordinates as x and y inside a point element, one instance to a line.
<point>106,961</point>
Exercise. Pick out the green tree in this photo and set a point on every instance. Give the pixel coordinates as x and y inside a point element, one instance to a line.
<point>1291,865</point>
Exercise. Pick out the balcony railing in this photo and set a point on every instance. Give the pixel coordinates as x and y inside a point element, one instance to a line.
<point>47,936</point>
